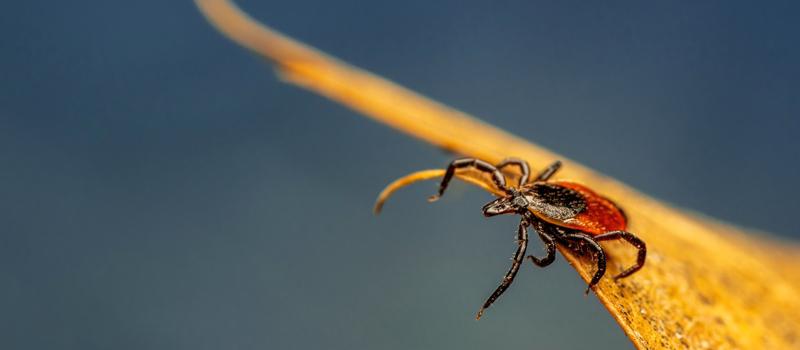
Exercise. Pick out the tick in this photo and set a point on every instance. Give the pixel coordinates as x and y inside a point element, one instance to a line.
<point>560,212</point>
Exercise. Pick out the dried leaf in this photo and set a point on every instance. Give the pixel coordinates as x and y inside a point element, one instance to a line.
<point>706,285</point>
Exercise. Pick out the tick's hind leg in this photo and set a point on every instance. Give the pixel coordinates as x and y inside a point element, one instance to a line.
<point>522,241</point>
<point>547,173</point>
<point>524,168</point>
<point>497,177</point>
<point>549,245</point>
<point>633,240</point>
<point>580,237</point>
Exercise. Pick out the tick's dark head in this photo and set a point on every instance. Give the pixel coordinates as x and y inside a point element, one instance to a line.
<point>514,203</point>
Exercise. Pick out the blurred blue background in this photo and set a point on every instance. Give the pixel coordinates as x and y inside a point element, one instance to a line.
<point>162,190</point>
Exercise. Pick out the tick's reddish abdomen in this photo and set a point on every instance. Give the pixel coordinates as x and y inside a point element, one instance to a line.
<point>600,215</point>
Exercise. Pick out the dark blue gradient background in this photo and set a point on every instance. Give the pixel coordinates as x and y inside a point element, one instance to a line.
<point>160,189</point>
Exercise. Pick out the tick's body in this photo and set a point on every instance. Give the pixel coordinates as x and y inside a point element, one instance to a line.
<point>561,213</point>
<point>599,215</point>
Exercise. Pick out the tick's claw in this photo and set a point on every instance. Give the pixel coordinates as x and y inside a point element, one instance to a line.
<point>434,198</point>
<point>480,313</point>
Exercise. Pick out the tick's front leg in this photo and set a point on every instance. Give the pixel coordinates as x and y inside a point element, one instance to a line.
<point>524,168</point>
<point>497,177</point>
<point>522,241</point>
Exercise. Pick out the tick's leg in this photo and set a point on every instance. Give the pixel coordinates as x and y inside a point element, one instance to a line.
<point>598,250</point>
<point>524,168</point>
<point>549,244</point>
<point>547,173</point>
<point>633,240</point>
<point>522,241</point>
<point>482,166</point>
